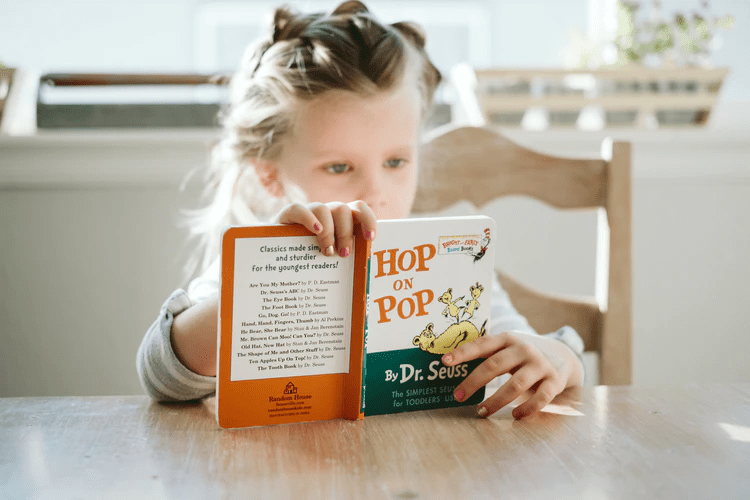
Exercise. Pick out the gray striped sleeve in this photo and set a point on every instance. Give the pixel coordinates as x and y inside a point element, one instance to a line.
<point>162,375</point>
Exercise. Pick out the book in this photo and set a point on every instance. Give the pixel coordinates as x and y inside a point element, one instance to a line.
<point>291,328</point>
<point>430,284</point>
<point>306,337</point>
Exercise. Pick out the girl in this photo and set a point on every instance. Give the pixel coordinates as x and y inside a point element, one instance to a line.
<point>322,130</point>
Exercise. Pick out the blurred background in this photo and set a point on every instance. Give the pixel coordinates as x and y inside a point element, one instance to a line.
<point>89,207</point>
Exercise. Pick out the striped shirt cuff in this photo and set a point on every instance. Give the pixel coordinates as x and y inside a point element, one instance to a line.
<point>568,336</point>
<point>162,374</point>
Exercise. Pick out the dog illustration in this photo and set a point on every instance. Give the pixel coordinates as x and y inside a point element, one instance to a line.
<point>452,337</point>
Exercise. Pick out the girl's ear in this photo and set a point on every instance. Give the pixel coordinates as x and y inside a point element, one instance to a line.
<point>268,175</point>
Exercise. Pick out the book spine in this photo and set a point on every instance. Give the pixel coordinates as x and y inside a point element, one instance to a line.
<point>364,344</point>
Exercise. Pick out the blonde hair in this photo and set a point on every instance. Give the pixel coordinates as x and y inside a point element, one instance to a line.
<point>304,56</point>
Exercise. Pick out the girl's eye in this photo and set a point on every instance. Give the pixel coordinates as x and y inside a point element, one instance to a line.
<point>338,168</point>
<point>395,163</point>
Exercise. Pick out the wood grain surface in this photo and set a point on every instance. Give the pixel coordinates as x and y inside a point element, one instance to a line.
<point>602,442</point>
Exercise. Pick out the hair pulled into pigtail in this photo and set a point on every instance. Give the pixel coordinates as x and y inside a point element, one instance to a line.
<point>302,57</point>
<point>413,32</point>
<point>350,7</point>
<point>289,24</point>
<point>431,77</point>
<point>281,19</point>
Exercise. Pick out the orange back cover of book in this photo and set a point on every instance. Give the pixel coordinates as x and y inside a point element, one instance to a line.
<point>291,328</point>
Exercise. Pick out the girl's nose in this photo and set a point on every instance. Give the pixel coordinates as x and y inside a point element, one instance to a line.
<point>372,188</point>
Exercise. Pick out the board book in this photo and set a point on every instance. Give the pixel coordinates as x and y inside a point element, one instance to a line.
<point>306,337</point>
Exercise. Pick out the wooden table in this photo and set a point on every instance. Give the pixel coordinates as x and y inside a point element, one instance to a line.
<point>603,442</point>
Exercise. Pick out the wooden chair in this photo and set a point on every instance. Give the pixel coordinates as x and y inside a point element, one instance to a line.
<point>451,162</point>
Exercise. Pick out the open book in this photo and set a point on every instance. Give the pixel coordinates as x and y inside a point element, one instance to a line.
<point>307,337</point>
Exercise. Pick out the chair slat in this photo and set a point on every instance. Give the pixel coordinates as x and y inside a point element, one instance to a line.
<point>492,166</point>
<point>616,365</point>
<point>547,313</point>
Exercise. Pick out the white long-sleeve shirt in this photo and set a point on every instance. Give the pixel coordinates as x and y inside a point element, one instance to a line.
<point>165,378</point>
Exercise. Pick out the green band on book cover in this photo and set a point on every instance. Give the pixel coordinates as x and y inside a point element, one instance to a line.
<point>412,379</point>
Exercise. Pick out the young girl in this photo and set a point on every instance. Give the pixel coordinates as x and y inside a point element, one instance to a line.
<point>322,130</point>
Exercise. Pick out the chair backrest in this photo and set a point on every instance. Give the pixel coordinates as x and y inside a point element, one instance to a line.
<point>479,165</point>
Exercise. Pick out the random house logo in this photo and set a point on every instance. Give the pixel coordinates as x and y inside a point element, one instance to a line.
<point>290,394</point>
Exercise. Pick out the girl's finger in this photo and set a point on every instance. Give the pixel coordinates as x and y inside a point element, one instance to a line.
<point>296,213</point>
<point>520,382</point>
<point>343,227</point>
<point>326,235</point>
<point>483,347</point>
<point>366,218</point>
<point>503,361</point>
<point>544,394</point>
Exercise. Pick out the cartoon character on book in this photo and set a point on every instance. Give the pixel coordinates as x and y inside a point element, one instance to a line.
<point>473,304</point>
<point>452,308</point>
<point>457,333</point>
<point>483,245</point>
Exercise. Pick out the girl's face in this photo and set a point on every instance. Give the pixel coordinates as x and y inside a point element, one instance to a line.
<point>345,147</point>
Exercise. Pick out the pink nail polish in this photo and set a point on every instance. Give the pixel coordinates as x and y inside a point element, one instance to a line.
<point>458,395</point>
<point>344,252</point>
<point>316,226</point>
<point>370,235</point>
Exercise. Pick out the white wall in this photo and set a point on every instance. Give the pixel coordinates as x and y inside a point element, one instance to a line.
<point>691,307</point>
<point>81,276</point>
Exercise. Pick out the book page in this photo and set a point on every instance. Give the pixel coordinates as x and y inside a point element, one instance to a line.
<point>292,309</point>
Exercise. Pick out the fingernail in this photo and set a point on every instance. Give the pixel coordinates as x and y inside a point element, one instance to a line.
<point>447,358</point>
<point>344,252</point>
<point>316,226</point>
<point>458,395</point>
<point>482,411</point>
<point>370,235</point>
<point>329,251</point>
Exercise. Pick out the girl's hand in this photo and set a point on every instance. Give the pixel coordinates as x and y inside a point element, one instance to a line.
<point>333,223</point>
<point>544,366</point>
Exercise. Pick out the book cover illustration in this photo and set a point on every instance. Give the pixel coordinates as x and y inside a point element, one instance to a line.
<point>430,283</point>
